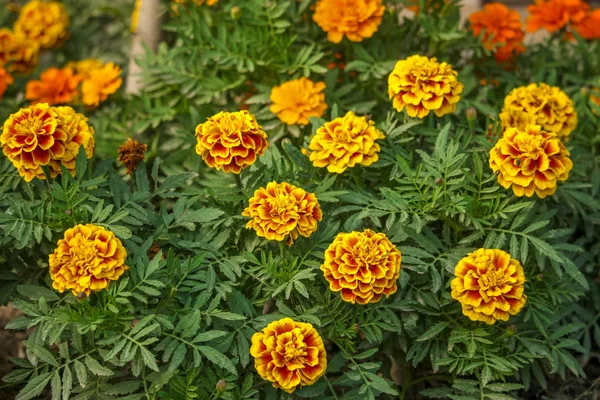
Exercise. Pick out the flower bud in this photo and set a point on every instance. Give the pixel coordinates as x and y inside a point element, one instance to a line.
<point>510,330</point>
<point>221,386</point>
<point>471,114</point>
<point>439,181</point>
<point>235,12</point>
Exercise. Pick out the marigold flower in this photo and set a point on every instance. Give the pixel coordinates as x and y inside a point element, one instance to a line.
<point>502,30</point>
<point>345,142</point>
<point>357,20</point>
<point>289,354</point>
<point>56,86</point>
<point>489,285</point>
<point>422,85</point>
<point>231,141</point>
<point>6,80</point>
<point>131,153</point>
<point>84,68</point>
<point>135,16</point>
<point>86,260</point>
<point>549,107</point>
<point>530,161</point>
<point>554,15</point>
<point>44,22</point>
<point>17,52</point>
<point>101,83</point>
<point>362,266</point>
<point>589,27</point>
<point>295,101</point>
<point>41,135</point>
<point>282,211</point>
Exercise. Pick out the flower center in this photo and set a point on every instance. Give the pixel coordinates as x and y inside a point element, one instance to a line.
<point>530,146</point>
<point>491,279</point>
<point>284,206</point>
<point>294,351</point>
<point>83,255</point>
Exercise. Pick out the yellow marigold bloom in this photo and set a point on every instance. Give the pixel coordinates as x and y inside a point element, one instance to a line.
<point>295,101</point>
<point>17,51</point>
<point>345,142</point>
<point>282,211</point>
<point>548,105</point>
<point>56,86</point>
<point>6,80</point>
<point>135,16</point>
<point>42,135</point>
<point>362,266</point>
<point>131,153</point>
<point>101,83</point>
<point>84,68</point>
<point>231,141</point>
<point>514,118</point>
<point>421,85</point>
<point>44,22</point>
<point>489,285</point>
<point>86,259</point>
<point>530,161</point>
<point>357,20</point>
<point>289,354</point>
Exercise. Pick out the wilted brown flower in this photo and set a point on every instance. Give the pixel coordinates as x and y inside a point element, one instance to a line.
<point>131,153</point>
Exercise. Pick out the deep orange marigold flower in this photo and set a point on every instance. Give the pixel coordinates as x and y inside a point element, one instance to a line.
<point>231,141</point>
<point>421,85</point>
<point>345,142</point>
<point>530,161</point>
<point>355,19</point>
<point>84,68</point>
<point>283,211</point>
<point>6,80</point>
<point>101,83</point>
<point>56,86</point>
<point>17,52</point>
<point>44,22</point>
<point>42,135</point>
<point>489,284</point>
<point>363,266</point>
<point>554,15</point>
<point>289,354</point>
<point>548,106</point>
<point>589,27</point>
<point>131,153</point>
<point>502,30</point>
<point>295,101</point>
<point>86,260</point>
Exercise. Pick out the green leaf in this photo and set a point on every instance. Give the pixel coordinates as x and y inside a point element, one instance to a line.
<point>41,353</point>
<point>148,359</point>
<point>34,387</point>
<point>217,358</point>
<point>81,373</point>
<point>95,367</point>
<point>56,386</point>
<point>433,331</point>
<point>67,383</point>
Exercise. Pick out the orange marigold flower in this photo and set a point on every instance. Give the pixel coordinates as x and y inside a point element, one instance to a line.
<point>84,68</point>
<point>289,354</point>
<point>295,101</point>
<point>589,27</point>
<point>363,266</point>
<point>86,260</point>
<point>502,30</point>
<point>41,135</point>
<point>357,20</point>
<point>283,211</point>
<point>231,141</point>
<point>489,284</point>
<point>422,85</point>
<point>101,83</point>
<point>56,86</point>
<point>44,22</point>
<point>548,106</point>
<point>131,153</point>
<point>554,15</point>
<point>17,51</point>
<point>345,142</point>
<point>6,80</point>
<point>530,161</point>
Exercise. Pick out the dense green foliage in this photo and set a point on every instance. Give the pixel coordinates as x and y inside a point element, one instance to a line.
<point>180,320</point>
